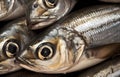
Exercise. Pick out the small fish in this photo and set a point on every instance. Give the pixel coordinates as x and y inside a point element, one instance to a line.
<point>69,45</point>
<point>10,9</point>
<point>42,13</point>
<point>13,39</point>
<point>108,68</point>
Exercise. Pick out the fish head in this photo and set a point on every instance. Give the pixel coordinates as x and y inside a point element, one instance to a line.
<point>42,13</point>
<point>5,7</point>
<point>9,46</point>
<point>51,54</point>
<point>58,56</point>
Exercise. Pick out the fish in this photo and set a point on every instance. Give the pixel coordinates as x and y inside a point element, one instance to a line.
<point>11,9</point>
<point>69,44</point>
<point>13,38</point>
<point>42,13</point>
<point>107,68</point>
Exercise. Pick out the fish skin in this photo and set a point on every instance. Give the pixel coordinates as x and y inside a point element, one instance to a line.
<point>68,40</point>
<point>39,15</point>
<point>104,69</point>
<point>13,38</point>
<point>11,9</point>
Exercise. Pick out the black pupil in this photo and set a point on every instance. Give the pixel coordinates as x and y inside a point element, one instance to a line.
<point>45,52</point>
<point>8,2</point>
<point>35,5</point>
<point>12,48</point>
<point>51,1</point>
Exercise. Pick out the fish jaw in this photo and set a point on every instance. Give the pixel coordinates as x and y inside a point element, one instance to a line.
<point>41,17</point>
<point>8,66</point>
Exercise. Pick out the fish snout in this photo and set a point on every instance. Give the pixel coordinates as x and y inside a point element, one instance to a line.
<point>25,55</point>
<point>23,61</point>
<point>18,60</point>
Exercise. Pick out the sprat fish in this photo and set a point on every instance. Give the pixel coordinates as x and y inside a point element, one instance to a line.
<point>13,39</point>
<point>80,40</point>
<point>42,13</point>
<point>10,9</point>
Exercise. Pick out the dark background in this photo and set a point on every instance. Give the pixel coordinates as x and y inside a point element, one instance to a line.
<point>84,73</point>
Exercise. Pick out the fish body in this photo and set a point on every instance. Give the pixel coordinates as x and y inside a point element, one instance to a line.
<point>42,13</point>
<point>10,9</point>
<point>13,38</point>
<point>78,41</point>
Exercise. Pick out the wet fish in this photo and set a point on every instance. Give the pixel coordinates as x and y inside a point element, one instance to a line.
<point>107,68</point>
<point>13,39</point>
<point>42,13</point>
<point>10,9</point>
<point>69,44</point>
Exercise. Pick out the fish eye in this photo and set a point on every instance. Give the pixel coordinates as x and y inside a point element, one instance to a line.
<point>45,51</point>
<point>35,5</point>
<point>7,2</point>
<point>50,3</point>
<point>11,47</point>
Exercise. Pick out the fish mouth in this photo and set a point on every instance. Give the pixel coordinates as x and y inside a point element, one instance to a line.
<point>23,61</point>
<point>5,7</point>
<point>43,17</point>
<point>41,22</point>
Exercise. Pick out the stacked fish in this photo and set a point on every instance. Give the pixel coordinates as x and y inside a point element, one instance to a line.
<point>44,40</point>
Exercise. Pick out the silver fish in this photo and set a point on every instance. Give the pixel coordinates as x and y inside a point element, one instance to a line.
<point>10,9</point>
<point>42,13</point>
<point>66,46</point>
<point>108,68</point>
<point>13,39</point>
